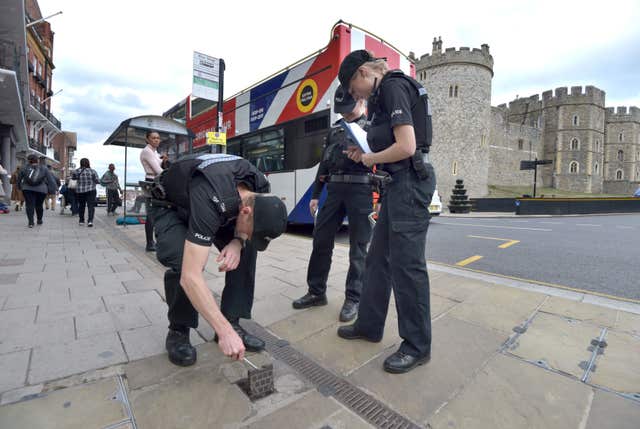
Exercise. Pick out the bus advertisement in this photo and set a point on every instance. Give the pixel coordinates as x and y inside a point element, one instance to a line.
<point>280,123</point>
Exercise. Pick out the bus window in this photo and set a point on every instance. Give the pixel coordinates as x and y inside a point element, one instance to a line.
<point>265,150</point>
<point>305,141</point>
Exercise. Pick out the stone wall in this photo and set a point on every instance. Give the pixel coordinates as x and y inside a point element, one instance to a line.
<point>620,187</point>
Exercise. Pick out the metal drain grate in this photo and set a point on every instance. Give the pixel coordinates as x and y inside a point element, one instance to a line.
<point>329,384</point>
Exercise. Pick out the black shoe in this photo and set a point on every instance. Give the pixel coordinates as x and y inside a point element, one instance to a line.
<point>310,300</point>
<point>251,342</point>
<point>151,248</point>
<point>349,311</point>
<point>90,224</point>
<point>81,222</point>
<point>400,362</point>
<point>30,225</point>
<point>180,350</point>
<point>39,222</point>
<point>349,332</point>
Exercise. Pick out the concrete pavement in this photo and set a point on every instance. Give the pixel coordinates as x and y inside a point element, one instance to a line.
<point>83,325</point>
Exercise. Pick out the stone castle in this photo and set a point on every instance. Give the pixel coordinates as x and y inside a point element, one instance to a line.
<point>593,149</point>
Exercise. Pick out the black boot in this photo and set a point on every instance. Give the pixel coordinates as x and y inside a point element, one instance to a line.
<point>251,342</point>
<point>349,311</point>
<point>310,300</point>
<point>350,332</point>
<point>180,350</point>
<point>400,362</point>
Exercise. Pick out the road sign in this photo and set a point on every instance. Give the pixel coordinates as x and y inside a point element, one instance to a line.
<point>531,165</point>
<point>206,76</point>
<point>217,138</point>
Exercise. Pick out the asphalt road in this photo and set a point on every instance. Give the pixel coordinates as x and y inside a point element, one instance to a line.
<point>592,253</point>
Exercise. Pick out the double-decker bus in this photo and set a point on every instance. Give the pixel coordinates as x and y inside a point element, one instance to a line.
<point>280,123</point>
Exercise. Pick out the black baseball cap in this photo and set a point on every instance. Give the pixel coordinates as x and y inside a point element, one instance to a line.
<point>343,102</point>
<point>269,220</point>
<point>351,63</point>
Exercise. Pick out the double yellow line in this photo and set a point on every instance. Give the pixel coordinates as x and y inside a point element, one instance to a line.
<point>507,243</point>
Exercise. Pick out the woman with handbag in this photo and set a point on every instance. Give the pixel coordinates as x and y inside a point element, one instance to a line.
<point>86,190</point>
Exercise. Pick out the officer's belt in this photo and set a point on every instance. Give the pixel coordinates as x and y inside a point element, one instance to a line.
<point>162,203</point>
<point>350,178</point>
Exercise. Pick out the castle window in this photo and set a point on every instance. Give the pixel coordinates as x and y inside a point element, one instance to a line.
<point>597,145</point>
<point>596,167</point>
<point>575,120</point>
<point>454,168</point>
<point>455,91</point>
<point>575,144</point>
<point>620,155</point>
<point>573,167</point>
<point>483,141</point>
<point>620,137</point>
<point>619,175</point>
<point>520,144</point>
<point>450,90</point>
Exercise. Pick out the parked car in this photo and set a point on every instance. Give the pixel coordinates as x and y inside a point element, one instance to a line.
<point>101,195</point>
<point>435,208</point>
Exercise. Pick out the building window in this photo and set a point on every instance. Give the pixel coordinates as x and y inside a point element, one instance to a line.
<point>520,144</point>
<point>597,145</point>
<point>483,141</point>
<point>620,136</point>
<point>619,175</point>
<point>620,155</point>
<point>575,120</point>
<point>455,91</point>
<point>450,91</point>
<point>575,144</point>
<point>596,168</point>
<point>454,168</point>
<point>573,167</point>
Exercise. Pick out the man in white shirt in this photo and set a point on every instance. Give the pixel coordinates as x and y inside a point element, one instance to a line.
<point>152,163</point>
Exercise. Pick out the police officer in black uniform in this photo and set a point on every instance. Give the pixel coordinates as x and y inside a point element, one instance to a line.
<point>203,200</point>
<point>349,192</point>
<point>399,135</point>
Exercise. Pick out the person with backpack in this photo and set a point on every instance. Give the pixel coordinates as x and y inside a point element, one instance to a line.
<point>32,181</point>
<point>399,136</point>
<point>86,190</point>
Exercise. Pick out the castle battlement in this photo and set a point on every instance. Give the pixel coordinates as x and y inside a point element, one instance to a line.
<point>577,95</point>
<point>526,104</point>
<point>464,55</point>
<point>622,114</point>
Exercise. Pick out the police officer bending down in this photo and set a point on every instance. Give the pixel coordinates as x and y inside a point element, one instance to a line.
<point>399,136</point>
<point>213,199</point>
<point>349,192</point>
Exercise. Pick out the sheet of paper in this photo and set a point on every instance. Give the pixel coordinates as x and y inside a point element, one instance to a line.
<point>357,134</point>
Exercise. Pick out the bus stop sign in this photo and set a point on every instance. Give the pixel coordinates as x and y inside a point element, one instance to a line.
<point>217,138</point>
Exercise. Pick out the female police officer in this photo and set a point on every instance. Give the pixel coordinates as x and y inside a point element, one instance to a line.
<point>399,136</point>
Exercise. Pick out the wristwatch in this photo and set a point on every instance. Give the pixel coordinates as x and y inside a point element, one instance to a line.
<point>242,241</point>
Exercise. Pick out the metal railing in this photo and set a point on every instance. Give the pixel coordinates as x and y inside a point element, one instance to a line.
<point>40,107</point>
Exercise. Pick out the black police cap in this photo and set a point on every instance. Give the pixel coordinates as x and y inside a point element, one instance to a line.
<point>351,63</point>
<point>343,102</point>
<point>269,220</point>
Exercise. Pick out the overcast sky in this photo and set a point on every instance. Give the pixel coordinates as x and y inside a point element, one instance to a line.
<point>119,59</point>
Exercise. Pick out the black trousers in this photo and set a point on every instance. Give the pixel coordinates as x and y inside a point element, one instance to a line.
<point>237,295</point>
<point>34,201</point>
<point>397,261</point>
<point>356,202</point>
<point>112,200</point>
<point>87,199</point>
<point>148,226</point>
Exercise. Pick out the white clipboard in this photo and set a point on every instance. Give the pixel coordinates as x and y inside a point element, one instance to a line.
<point>357,134</point>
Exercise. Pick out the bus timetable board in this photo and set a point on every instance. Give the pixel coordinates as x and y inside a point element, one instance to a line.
<point>279,124</point>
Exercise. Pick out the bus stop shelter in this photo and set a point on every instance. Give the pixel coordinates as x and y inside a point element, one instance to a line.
<point>175,140</point>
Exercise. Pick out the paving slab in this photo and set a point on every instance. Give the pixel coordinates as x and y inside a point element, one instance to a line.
<point>84,406</point>
<point>628,322</point>
<point>149,340</point>
<point>14,370</point>
<point>110,321</point>
<point>50,297</point>
<point>203,396</point>
<point>78,307</point>
<point>455,287</point>
<point>269,311</point>
<point>459,351</point>
<point>60,360</point>
<point>508,393</point>
<point>613,412</point>
<point>305,323</point>
<point>563,344</point>
<point>618,367</point>
<point>595,314</point>
<point>498,307</point>
<point>25,336</point>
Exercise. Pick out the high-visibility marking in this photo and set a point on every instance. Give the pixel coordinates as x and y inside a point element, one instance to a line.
<point>508,241</point>
<point>587,224</point>
<point>494,226</point>
<point>468,260</point>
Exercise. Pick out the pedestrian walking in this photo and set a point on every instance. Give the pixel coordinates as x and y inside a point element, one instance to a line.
<point>86,190</point>
<point>50,199</point>
<point>399,136</point>
<point>213,199</point>
<point>350,193</point>
<point>34,186</point>
<point>110,181</point>
<point>17,196</point>
<point>151,161</point>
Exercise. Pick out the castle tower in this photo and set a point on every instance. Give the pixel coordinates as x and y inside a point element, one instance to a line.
<point>573,138</point>
<point>622,150</point>
<point>459,86</point>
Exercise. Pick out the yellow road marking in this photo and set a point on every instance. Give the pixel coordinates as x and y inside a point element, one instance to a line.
<point>508,243</point>
<point>573,289</point>
<point>468,260</point>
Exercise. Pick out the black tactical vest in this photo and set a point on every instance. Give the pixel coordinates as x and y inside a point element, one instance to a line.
<point>336,160</point>
<point>222,171</point>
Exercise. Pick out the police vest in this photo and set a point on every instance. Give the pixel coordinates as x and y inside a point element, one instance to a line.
<point>335,159</point>
<point>222,171</point>
<point>420,115</point>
